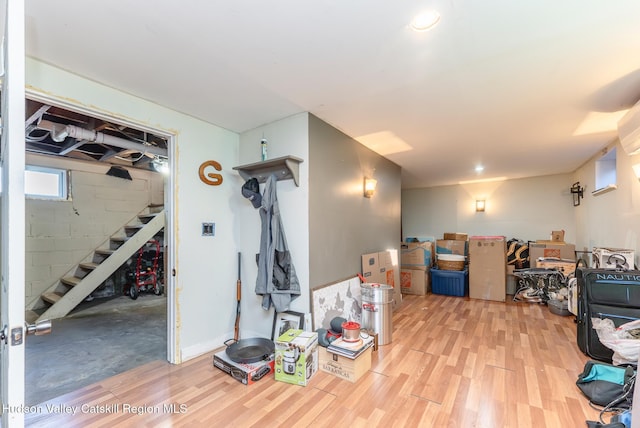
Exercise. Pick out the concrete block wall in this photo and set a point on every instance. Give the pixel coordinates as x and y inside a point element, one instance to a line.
<point>60,234</point>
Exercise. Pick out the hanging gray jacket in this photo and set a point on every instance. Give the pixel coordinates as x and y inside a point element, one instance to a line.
<point>277,281</point>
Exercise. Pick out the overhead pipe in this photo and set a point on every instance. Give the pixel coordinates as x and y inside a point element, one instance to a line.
<point>59,132</point>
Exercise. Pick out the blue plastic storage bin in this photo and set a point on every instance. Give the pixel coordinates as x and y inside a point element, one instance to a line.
<point>450,282</point>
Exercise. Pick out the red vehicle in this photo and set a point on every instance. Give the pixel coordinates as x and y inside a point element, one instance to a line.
<point>147,273</point>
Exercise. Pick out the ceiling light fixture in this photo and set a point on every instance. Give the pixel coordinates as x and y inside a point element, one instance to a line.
<point>425,20</point>
<point>479,168</point>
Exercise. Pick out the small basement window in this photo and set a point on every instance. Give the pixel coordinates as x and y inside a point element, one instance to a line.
<point>45,183</point>
<point>606,178</point>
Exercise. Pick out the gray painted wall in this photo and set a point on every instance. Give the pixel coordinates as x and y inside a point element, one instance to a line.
<point>343,223</point>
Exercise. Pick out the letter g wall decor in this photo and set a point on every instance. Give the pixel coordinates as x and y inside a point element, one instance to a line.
<point>211,179</point>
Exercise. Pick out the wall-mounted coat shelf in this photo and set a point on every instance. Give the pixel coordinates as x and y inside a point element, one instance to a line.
<point>284,168</point>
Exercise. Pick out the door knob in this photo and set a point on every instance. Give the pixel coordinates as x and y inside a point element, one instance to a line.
<point>39,328</point>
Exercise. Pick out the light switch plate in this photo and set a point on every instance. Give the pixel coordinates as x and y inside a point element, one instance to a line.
<point>208,229</point>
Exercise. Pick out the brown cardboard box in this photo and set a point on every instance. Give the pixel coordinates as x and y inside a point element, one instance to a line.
<point>452,246</point>
<point>343,367</point>
<point>557,235</point>
<point>382,267</point>
<point>371,267</point>
<point>487,268</point>
<point>455,236</point>
<point>567,267</point>
<point>415,281</point>
<point>416,254</point>
<point>546,249</point>
<point>389,262</point>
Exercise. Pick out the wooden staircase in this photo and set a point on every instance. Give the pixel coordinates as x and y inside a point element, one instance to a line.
<point>79,282</point>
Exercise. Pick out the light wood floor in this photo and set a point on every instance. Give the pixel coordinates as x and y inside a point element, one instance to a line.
<point>453,362</point>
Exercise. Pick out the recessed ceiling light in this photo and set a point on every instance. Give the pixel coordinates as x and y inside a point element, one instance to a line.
<point>425,20</point>
<point>479,168</point>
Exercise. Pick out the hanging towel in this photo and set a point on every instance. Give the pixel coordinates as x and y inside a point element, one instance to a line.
<point>277,281</point>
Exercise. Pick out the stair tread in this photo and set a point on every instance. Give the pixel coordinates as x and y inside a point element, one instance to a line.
<point>71,280</point>
<point>104,252</point>
<point>51,297</point>
<point>31,316</point>
<point>89,265</point>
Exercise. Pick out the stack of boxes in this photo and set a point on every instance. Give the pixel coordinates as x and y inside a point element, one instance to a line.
<point>415,259</point>
<point>553,254</point>
<point>451,282</point>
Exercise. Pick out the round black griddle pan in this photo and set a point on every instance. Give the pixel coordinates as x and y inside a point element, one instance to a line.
<point>246,350</point>
<point>250,350</point>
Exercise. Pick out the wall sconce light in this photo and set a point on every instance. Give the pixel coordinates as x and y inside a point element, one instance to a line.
<point>369,187</point>
<point>480,205</point>
<point>577,192</point>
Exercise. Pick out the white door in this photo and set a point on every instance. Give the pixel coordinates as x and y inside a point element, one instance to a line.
<point>12,230</point>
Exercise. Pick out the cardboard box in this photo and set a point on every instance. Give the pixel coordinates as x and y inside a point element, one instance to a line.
<point>388,267</point>
<point>296,357</point>
<point>487,268</point>
<point>247,373</point>
<point>383,268</point>
<point>613,258</point>
<point>415,281</point>
<point>455,236</point>
<point>343,367</point>
<point>548,249</point>
<point>557,235</point>
<point>416,254</point>
<point>419,239</point>
<point>567,267</point>
<point>371,267</point>
<point>452,246</point>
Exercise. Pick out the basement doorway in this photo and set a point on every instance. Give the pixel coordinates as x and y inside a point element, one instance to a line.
<point>118,183</point>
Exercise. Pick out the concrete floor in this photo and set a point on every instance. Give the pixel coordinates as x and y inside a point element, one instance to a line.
<point>97,340</point>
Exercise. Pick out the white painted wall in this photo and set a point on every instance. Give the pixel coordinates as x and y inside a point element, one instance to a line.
<point>611,219</point>
<point>60,234</point>
<point>289,136</point>
<point>528,209</point>
<point>205,290</point>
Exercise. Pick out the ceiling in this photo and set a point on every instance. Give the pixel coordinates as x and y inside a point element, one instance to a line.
<point>522,88</point>
<point>51,130</point>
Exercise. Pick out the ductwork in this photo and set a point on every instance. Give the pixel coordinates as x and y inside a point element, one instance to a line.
<point>59,132</point>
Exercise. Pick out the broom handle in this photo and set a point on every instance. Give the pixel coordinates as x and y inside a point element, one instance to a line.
<point>236,332</point>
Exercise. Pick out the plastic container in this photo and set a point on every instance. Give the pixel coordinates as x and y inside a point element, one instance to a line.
<point>377,310</point>
<point>559,307</point>
<point>450,282</point>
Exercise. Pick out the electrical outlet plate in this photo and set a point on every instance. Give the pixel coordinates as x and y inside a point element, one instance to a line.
<point>208,229</point>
